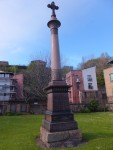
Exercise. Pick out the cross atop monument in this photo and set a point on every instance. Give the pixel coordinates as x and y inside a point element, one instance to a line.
<point>53,7</point>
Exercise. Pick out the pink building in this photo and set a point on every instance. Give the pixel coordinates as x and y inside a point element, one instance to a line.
<point>19,85</point>
<point>83,85</point>
<point>75,79</point>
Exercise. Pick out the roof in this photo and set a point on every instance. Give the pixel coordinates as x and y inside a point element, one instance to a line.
<point>110,61</point>
<point>1,72</point>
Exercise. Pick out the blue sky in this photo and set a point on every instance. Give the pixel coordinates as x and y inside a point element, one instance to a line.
<point>86,30</point>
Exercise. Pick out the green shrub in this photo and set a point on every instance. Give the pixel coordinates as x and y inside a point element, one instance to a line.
<point>93,105</point>
<point>85,110</point>
<point>9,114</point>
<point>12,114</point>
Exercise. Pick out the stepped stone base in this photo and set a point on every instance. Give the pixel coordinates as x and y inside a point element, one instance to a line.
<point>69,138</point>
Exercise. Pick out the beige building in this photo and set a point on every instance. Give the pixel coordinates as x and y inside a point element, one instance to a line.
<point>108,76</point>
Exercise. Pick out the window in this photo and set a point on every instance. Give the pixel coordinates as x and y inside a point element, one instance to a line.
<point>4,94</point>
<point>77,79</point>
<point>2,75</point>
<point>76,76</point>
<point>6,75</point>
<point>12,88</point>
<point>68,80</point>
<point>2,88</point>
<point>90,86</point>
<point>111,77</point>
<point>12,95</point>
<point>89,78</point>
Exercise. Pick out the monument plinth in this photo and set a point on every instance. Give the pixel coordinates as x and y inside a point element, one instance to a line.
<point>59,129</point>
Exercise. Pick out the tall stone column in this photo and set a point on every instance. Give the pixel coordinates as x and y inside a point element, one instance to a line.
<point>59,129</point>
<point>54,24</point>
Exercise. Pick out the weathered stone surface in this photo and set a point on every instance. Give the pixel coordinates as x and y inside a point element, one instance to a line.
<point>59,116</point>
<point>58,102</point>
<point>60,126</point>
<point>67,138</point>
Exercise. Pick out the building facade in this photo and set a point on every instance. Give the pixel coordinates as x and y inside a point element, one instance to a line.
<point>83,85</point>
<point>89,78</point>
<point>7,86</point>
<point>75,80</point>
<point>108,76</point>
<point>11,92</point>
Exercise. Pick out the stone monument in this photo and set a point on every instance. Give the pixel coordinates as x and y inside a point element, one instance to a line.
<point>59,129</point>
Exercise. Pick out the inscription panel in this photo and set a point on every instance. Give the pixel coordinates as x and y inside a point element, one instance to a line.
<point>60,102</point>
<point>61,118</point>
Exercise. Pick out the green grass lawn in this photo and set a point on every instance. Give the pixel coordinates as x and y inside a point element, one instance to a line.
<point>20,132</point>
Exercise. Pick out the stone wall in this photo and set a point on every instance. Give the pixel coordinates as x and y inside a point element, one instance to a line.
<point>110,106</point>
<point>21,107</point>
<point>99,95</point>
<point>77,107</point>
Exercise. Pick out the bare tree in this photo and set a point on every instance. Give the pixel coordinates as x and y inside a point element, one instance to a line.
<point>36,78</point>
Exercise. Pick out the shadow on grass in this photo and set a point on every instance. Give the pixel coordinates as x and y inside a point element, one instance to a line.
<point>91,136</point>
